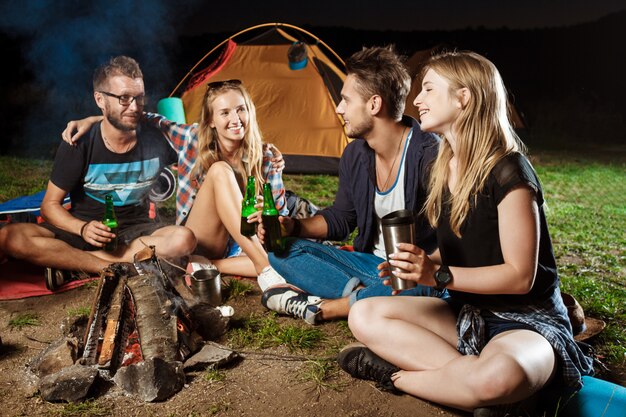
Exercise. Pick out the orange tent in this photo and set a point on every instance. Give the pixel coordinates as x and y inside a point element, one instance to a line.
<point>295,100</point>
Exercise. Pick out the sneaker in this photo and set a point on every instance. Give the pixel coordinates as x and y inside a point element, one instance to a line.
<point>361,362</point>
<point>289,300</point>
<point>269,278</point>
<point>55,278</point>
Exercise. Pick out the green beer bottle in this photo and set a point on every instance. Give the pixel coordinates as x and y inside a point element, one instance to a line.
<point>110,220</point>
<point>247,208</point>
<point>273,237</point>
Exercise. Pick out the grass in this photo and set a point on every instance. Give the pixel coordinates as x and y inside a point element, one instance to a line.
<point>236,288</point>
<point>318,189</point>
<point>213,374</point>
<point>20,176</point>
<point>219,407</point>
<point>587,218</point>
<point>265,331</point>
<point>87,408</point>
<point>586,213</point>
<point>24,320</point>
<point>83,311</point>
<point>321,373</point>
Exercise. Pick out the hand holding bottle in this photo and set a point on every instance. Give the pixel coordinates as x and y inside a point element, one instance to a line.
<point>110,220</point>
<point>96,233</point>
<point>272,239</point>
<point>249,211</point>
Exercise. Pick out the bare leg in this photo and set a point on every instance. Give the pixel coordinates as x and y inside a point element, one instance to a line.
<point>169,241</point>
<point>238,265</point>
<point>216,214</point>
<point>421,330</point>
<point>335,309</point>
<point>418,335</point>
<point>513,366</point>
<point>37,245</point>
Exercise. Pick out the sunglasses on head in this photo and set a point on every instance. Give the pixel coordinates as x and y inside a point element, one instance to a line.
<point>214,85</point>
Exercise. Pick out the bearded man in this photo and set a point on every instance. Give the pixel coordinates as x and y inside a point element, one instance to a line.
<point>121,157</point>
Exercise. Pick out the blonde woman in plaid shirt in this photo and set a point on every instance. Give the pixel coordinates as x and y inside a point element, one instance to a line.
<point>214,158</point>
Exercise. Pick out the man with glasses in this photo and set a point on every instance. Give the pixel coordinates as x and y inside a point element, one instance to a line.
<point>121,156</point>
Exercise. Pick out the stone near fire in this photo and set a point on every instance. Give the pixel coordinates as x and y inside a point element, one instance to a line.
<point>71,384</point>
<point>74,326</point>
<point>151,380</point>
<point>212,354</point>
<point>55,357</point>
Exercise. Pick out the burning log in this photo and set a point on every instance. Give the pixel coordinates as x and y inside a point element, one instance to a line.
<point>155,319</point>
<point>114,321</point>
<point>139,333</point>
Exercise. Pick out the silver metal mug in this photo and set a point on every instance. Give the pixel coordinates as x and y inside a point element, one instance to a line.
<point>398,227</point>
<point>206,285</point>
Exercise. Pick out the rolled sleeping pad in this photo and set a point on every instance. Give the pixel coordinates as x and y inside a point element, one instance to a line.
<point>172,108</point>
<point>164,187</point>
<point>596,398</point>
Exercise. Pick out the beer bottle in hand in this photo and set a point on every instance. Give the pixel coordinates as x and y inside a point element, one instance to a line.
<point>110,220</point>
<point>273,238</point>
<point>247,208</point>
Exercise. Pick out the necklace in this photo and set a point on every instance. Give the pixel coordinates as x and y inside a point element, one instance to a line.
<point>393,164</point>
<point>110,147</point>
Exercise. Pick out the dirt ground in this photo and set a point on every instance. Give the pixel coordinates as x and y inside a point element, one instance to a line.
<point>267,382</point>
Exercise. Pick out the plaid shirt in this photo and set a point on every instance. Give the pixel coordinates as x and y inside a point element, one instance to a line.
<point>184,139</point>
<point>549,320</point>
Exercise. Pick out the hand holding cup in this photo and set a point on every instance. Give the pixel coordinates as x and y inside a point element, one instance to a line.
<point>398,227</point>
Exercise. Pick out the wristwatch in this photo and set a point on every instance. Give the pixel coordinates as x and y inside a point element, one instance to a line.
<point>443,277</point>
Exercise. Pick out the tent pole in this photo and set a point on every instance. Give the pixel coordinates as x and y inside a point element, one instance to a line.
<point>247,30</point>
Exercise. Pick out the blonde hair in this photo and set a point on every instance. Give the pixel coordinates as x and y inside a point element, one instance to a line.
<point>484,134</point>
<point>209,150</point>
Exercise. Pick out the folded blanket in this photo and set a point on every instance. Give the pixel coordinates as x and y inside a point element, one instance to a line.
<point>20,279</point>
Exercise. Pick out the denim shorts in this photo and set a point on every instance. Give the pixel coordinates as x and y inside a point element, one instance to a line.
<point>495,325</point>
<point>232,249</point>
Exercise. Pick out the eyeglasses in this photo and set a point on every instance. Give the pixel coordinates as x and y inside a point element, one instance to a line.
<point>214,85</point>
<point>125,99</point>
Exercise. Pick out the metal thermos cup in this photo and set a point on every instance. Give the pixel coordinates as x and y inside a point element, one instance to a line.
<point>206,285</point>
<point>398,227</point>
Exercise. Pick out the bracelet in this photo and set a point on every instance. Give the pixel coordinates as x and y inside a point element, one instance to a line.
<point>297,227</point>
<point>82,229</point>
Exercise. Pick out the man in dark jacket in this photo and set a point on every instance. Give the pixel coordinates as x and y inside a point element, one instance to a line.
<point>384,170</point>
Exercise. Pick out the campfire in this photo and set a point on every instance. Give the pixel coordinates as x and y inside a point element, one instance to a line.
<point>145,327</point>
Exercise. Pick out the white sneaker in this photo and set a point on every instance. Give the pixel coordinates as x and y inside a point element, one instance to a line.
<point>285,299</point>
<point>269,278</point>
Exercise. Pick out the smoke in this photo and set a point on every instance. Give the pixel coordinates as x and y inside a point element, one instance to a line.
<point>60,45</point>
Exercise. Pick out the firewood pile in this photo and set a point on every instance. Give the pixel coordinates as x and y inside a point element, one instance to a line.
<point>145,329</point>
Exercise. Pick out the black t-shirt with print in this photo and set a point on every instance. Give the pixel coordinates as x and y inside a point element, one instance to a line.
<point>89,171</point>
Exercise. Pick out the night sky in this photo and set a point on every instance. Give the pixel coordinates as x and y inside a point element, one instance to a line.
<point>404,15</point>
<point>53,46</point>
